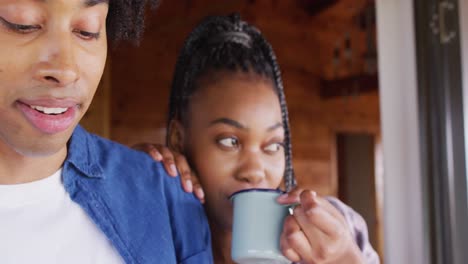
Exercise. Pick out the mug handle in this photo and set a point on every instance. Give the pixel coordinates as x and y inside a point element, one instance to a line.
<point>291,207</point>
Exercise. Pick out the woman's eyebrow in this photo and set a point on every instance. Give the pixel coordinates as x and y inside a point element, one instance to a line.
<point>275,126</point>
<point>234,123</point>
<point>229,122</point>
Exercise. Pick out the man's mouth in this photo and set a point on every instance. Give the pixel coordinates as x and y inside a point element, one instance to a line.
<point>49,110</point>
<point>50,116</point>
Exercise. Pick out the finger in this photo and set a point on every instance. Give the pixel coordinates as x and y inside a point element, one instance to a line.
<point>312,215</point>
<point>168,161</point>
<point>290,226</point>
<point>309,199</point>
<point>291,197</point>
<point>324,227</point>
<point>149,149</point>
<point>326,205</point>
<point>288,251</point>
<point>296,241</point>
<point>198,189</point>
<point>154,153</point>
<point>319,253</point>
<point>199,193</point>
<point>185,172</point>
<point>333,210</point>
<point>291,254</point>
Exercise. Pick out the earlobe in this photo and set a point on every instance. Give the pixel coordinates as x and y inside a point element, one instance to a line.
<point>175,139</point>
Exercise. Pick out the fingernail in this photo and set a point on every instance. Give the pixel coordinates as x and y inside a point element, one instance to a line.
<point>314,195</point>
<point>156,155</point>
<point>200,193</point>
<point>173,169</point>
<point>315,198</point>
<point>189,185</point>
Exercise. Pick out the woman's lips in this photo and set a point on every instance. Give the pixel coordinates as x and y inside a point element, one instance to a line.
<point>49,116</point>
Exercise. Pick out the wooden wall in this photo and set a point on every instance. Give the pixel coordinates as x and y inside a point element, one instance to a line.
<point>140,76</point>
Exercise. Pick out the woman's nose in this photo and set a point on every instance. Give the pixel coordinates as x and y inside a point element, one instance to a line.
<point>251,170</point>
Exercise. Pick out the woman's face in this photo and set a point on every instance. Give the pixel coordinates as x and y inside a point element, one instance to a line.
<point>234,138</point>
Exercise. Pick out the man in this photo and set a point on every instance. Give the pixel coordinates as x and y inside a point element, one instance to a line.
<point>67,196</point>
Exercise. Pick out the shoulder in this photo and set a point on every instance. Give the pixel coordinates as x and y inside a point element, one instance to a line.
<point>107,149</point>
<point>122,160</point>
<point>143,203</point>
<point>148,187</point>
<point>85,147</point>
<point>139,178</point>
<point>119,167</point>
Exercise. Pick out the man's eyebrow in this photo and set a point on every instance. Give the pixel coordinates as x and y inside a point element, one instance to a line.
<point>229,122</point>
<point>87,3</point>
<point>90,3</point>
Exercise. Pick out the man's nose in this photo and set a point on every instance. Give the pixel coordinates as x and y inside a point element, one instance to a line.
<point>57,66</point>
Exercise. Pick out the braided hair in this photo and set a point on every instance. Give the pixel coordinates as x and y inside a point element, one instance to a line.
<point>227,43</point>
<point>125,19</point>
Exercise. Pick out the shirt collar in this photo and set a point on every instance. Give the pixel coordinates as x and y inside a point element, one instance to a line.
<point>83,154</point>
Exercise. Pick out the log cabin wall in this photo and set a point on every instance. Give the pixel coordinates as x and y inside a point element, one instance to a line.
<point>304,42</point>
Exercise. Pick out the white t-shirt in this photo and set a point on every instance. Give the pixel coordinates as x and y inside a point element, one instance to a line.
<point>39,223</point>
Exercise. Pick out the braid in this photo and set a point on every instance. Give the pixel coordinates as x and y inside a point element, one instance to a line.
<point>227,43</point>
<point>182,73</point>
<point>289,179</point>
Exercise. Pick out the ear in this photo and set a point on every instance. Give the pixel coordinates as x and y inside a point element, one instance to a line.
<point>175,139</point>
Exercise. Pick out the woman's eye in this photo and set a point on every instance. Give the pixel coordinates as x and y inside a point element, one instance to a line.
<point>19,28</point>
<point>87,35</point>
<point>275,147</point>
<point>229,142</point>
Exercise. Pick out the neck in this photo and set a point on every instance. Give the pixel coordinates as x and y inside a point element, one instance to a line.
<point>221,244</point>
<point>16,168</point>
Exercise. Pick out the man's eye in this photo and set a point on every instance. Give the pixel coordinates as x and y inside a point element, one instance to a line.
<point>275,147</point>
<point>87,35</point>
<point>19,28</point>
<point>229,142</point>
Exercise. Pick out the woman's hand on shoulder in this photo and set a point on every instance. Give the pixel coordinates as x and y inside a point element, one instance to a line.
<point>316,232</point>
<point>174,162</point>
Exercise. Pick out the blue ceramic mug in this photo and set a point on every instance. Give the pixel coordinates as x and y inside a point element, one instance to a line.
<point>257,225</point>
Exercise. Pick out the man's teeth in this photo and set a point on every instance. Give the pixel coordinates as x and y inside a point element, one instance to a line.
<point>49,110</point>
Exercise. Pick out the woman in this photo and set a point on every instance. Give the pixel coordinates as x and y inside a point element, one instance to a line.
<point>228,119</point>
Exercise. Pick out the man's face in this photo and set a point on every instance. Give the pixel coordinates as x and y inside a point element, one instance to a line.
<point>52,55</point>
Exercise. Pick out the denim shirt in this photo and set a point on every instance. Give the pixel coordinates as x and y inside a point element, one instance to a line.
<point>143,212</point>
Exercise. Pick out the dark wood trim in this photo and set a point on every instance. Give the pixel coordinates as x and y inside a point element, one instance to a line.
<point>441,128</point>
<point>349,86</point>
<point>314,7</point>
